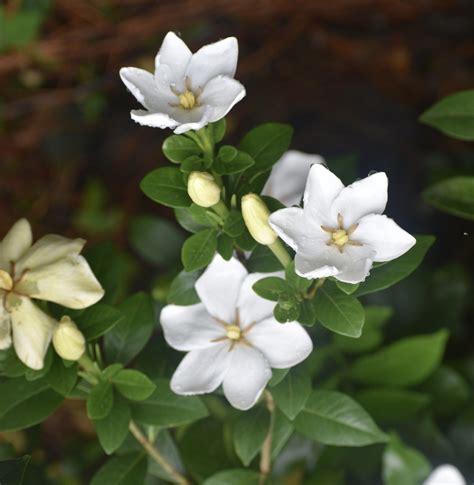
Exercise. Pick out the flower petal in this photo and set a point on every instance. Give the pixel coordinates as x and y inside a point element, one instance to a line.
<point>221,93</point>
<point>69,281</point>
<point>213,60</point>
<point>16,242</point>
<point>445,475</point>
<point>366,196</point>
<point>321,189</point>
<point>189,327</point>
<point>253,308</point>
<point>201,371</point>
<point>246,377</point>
<point>290,225</point>
<point>155,120</point>
<point>219,287</point>
<point>5,329</point>
<point>142,85</point>
<point>383,235</point>
<point>47,250</point>
<point>357,272</point>
<point>32,330</point>
<point>288,177</point>
<point>175,54</point>
<point>283,345</point>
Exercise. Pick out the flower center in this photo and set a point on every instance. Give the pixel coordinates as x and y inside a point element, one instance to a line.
<point>233,332</point>
<point>341,237</point>
<point>6,281</point>
<point>187,100</point>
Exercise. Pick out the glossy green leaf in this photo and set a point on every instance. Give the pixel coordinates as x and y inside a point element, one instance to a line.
<point>177,148</point>
<point>97,320</point>
<point>226,164</point>
<point>263,260</point>
<point>234,477</point>
<point>129,469</point>
<point>166,186</point>
<point>332,418</point>
<point>182,291</point>
<point>234,224</point>
<point>454,196</point>
<point>100,401</point>
<point>12,472</point>
<point>270,288</point>
<point>199,249</point>
<point>61,378</point>
<point>225,246</point>
<point>406,362</point>
<point>134,385</point>
<point>218,129</point>
<point>295,281</point>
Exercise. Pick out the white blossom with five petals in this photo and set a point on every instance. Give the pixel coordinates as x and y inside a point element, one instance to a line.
<point>341,231</point>
<point>288,177</point>
<point>50,269</point>
<point>231,337</point>
<point>187,91</point>
<point>445,475</point>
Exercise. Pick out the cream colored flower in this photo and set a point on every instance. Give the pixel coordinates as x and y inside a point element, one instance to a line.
<point>50,269</point>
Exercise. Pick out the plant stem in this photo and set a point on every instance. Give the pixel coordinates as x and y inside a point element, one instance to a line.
<point>89,366</point>
<point>157,456</point>
<point>221,210</point>
<point>312,292</point>
<point>280,252</point>
<point>266,453</point>
<point>205,141</point>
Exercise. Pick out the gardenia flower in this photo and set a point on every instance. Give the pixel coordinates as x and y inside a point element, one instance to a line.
<point>231,336</point>
<point>341,230</point>
<point>188,90</point>
<point>50,270</point>
<point>288,177</point>
<point>445,475</point>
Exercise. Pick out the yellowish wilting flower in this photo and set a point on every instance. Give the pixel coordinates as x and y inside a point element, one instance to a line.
<point>68,340</point>
<point>51,270</point>
<point>341,231</point>
<point>187,91</point>
<point>231,337</point>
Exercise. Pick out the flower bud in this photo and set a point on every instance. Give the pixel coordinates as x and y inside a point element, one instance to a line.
<point>255,214</point>
<point>68,340</point>
<point>203,189</point>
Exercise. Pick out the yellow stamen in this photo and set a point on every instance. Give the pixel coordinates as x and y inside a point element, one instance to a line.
<point>6,282</point>
<point>233,332</point>
<point>187,100</point>
<point>340,237</point>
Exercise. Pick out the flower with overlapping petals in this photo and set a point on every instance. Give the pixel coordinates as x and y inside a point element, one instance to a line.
<point>445,475</point>
<point>341,231</point>
<point>288,177</point>
<point>187,91</point>
<point>231,337</point>
<point>50,269</point>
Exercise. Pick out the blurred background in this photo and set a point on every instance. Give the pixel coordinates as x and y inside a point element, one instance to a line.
<point>351,76</point>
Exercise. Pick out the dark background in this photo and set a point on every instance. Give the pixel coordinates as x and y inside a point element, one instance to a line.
<point>352,77</point>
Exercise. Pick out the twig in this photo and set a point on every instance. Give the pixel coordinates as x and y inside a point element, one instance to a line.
<point>266,453</point>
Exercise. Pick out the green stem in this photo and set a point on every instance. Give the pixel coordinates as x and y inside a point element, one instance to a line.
<point>280,252</point>
<point>89,366</point>
<point>205,141</point>
<point>266,452</point>
<point>221,210</point>
<point>312,291</point>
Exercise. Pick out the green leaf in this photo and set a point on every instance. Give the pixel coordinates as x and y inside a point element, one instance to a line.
<point>347,288</point>
<point>12,472</point>
<point>308,313</point>
<point>332,418</point>
<point>166,409</point>
<point>166,186</point>
<point>338,312</point>
<point>61,378</point>
<point>218,129</point>
<point>372,336</point>
<point>234,224</point>
<point>165,444</point>
<point>10,364</point>
<point>281,432</point>
<point>270,288</point>
<point>97,320</point>
<point>266,144</point>
<point>177,148</point>
<point>245,241</point>
<point>113,429</point>
<point>195,163</point>
<point>234,477</point>
<point>403,465</point>
<point>182,291</point>
<point>250,431</point>
<point>156,240</point>
<point>18,28</point>
<point>453,115</point>
<point>387,274</point>
<point>287,309</point>
<point>392,406</point>
<point>297,282</point>
<point>189,220</point>
<point>130,335</point>
<point>14,391</point>
<point>454,196</point>
<point>133,384</point>
<point>277,376</point>
<point>403,363</point>
<point>263,260</point>
<point>100,401</point>
<point>225,246</point>
<point>291,393</point>
<point>127,469</point>
<point>199,249</point>
<point>231,162</point>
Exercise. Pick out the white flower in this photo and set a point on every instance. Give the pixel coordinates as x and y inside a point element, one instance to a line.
<point>188,90</point>
<point>445,475</point>
<point>288,178</point>
<point>232,337</point>
<point>341,232</point>
<point>255,214</point>
<point>50,270</point>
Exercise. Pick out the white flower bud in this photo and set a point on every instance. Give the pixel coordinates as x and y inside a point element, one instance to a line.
<point>68,340</point>
<point>255,214</point>
<point>203,189</point>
